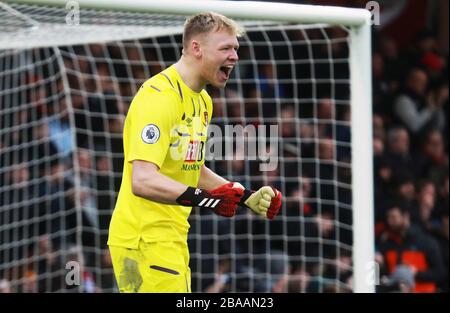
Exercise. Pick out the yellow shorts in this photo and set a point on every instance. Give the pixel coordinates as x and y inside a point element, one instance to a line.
<point>153,267</point>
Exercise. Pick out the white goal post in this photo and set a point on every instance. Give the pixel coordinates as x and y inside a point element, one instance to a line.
<point>358,23</point>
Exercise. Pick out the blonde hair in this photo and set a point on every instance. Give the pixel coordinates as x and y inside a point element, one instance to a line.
<point>206,22</point>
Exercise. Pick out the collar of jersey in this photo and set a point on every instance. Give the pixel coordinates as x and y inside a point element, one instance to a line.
<point>183,85</point>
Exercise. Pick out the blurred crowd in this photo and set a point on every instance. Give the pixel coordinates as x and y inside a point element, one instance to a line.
<point>410,141</point>
<point>62,159</point>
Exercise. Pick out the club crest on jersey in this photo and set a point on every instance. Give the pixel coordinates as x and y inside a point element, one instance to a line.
<point>150,133</point>
<point>206,118</point>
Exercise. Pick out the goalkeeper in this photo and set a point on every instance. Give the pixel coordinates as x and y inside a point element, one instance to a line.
<point>164,174</point>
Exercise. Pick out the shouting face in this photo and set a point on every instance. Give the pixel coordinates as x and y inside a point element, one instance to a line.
<point>217,52</point>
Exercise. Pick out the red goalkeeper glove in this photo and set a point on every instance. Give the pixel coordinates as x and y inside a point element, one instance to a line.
<point>265,202</point>
<point>223,200</point>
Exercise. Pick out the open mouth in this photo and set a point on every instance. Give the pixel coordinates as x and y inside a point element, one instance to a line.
<point>226,70</point>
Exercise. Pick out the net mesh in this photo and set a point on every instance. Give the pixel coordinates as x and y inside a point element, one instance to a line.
<point>62,107</point>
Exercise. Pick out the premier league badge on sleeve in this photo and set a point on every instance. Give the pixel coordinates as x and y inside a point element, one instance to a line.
<point>150,134</point>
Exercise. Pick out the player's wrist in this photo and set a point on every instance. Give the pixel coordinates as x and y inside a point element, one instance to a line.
<point>247,194</point>
<point>193,197</point>
<point>222,200</point>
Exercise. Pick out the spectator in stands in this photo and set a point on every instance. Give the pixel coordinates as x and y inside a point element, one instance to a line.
<point>269,88</point>
<point>298,206</point>
<point>300,196</point>
<point>393,63</point>
<point>106,191</point>
<point>234,104</point>
<point>299,280</point>
<point>288,122</point>
<point>279,272</point>
<point>383,180</point>
<point>16,214</point>
<point>218,104</point>
<point>399,281</point>
<point>49,277</point>
<point>426,54</point>
<point>342,134</point>
<point>432,162</point>
<point>389,188</point>
<point>29,282</point>
<point>342,271</point>
<point>111,145</point>
<point>57,200</point>
<point>398,150</point>
<point>378,127</point>
<point>106,271</point>
<point>222,279</point>
<point>264,272</point>
<point>42,150</point>
<point>325,115</point>
<point>238,165</point>
<point>382,88</point>
<point>442,237</point>
<point>402,243</point>
<point>443,194</point>
<point>88,202</point>
<point>88,199</point>
<point>318,235</point>
<point>424,213</point>
<point>404,188</point>
<point>82,118</point>
<point>378,147</point>
<point>325,188</point>
<point>413,108</point>
<point>307,148</point>
<point>60,131</point>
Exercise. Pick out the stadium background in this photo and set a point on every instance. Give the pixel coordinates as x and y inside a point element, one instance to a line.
<point>410,60</point>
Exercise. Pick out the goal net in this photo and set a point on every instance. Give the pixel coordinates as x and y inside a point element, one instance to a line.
<point>67,78</point>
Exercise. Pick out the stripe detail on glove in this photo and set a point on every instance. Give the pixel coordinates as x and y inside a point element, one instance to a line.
<point>222,200</point>
<point>208,204</point>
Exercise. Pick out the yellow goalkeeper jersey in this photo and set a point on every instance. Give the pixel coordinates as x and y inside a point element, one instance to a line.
<point>166,125</point>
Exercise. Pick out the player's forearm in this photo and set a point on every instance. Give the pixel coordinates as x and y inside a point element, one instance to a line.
<point>209,179</point>
<point>150,184</point>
